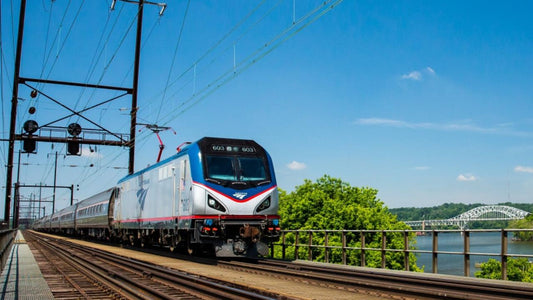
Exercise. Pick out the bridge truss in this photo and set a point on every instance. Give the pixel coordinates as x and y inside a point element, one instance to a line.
<point>481,213</point>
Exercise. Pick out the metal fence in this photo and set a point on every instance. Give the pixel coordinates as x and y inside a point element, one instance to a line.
<point>6,241</point>
<point>352,247</point>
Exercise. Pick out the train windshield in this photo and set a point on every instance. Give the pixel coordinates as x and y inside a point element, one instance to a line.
<point>236,171</point>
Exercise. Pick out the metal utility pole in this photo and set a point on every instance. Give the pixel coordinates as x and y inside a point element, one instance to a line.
<point>135,86</point>
<point>40,198</point>
<point>55,183</point>
<point>13,123</point>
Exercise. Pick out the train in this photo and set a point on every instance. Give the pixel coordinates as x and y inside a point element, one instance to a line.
<point>215,195</point>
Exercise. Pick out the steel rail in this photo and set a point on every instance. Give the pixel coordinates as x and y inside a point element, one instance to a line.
<point>194,284</point>
<point>395,282</point>
<point>58,259</point>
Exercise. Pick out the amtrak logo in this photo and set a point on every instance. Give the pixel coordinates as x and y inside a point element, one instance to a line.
<point>240,195</point>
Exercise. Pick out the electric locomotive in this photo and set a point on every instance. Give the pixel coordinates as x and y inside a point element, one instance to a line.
<point>218,195</point>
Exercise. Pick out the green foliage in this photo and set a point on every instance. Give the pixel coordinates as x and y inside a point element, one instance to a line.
<point>526,223</point>
<point>518,269</point>
<point>331,204</point>
<point>492,269</point>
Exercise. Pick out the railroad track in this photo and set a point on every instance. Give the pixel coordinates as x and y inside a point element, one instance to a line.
<point>74,271</point>
<point>388,283</point>
<point>378,283</point>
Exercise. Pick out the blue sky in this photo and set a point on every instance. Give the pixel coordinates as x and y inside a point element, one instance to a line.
<point>426,101</point>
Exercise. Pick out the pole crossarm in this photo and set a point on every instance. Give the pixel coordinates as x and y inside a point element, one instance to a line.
<point>23,80</point>
<point>51,139</point>
<point>71,110</point>
<point>45,186</point>
<point>84,110</point>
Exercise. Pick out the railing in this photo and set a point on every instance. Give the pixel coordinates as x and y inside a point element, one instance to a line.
<point>351,247</point>
<point>6,241</point>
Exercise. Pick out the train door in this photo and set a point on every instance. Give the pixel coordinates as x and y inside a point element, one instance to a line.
<point>181,185</point>
<point>111,206</point>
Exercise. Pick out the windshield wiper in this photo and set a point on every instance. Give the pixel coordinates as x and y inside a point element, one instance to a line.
<point>213,181</point>
<point>239,182</point>
<point>263,182</point>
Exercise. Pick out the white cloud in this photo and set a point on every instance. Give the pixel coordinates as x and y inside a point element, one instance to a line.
<point>523,169</point>
<point>463,126</point>
<point>295,166</point>
<point>421,168</point>
<point>87,153</point>
<point>415,75</point>
<point>466,177</point>
<point>418,75</point>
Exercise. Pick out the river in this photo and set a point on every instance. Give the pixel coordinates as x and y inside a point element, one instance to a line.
<point>480,242</point>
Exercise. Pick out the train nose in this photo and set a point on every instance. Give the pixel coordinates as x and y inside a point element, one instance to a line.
<point>251,232</point>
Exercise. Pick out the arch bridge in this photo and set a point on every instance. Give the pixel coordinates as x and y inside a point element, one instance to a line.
<point>480,213</point>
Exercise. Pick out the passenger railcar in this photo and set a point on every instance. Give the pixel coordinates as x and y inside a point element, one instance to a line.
<point>65,220</point>
<point>93,216</point>
<point>215,194</point>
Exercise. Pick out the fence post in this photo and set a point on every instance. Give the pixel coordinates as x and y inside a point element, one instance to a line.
<point>435,249</point>
<point>284,246</point>
<point>326,250</point>
<point>467,252</point>
<point>310,244</point>
<point>406,249</point>
<point>504,254</point>
<point>363,246</point>
<point>296,244</point>
<point>383,247</point>
<point>343,247</point>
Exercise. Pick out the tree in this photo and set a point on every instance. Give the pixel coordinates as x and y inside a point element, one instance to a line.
<point>331,204</point>
<point>526,223</point>
<point>518,269</point>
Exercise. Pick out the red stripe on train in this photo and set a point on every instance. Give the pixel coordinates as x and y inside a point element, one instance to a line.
<point>198,217</point>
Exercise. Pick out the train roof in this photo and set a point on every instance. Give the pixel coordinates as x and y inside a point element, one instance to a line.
<point>100,197</point>
<point>182,152</point>
<point>190,146</point>
<point>67,209</point>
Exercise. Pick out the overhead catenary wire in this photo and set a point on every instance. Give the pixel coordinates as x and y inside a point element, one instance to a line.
<point>46,174</point>
<point>173,58</point>
<point>56,36</point>
<point>223,79</point>
<point>214,46</point>
<point>85,175</point>
<point>143,139</point>
<point>112,58</point>
<point>3,67</point>
<point>275,42</point>
<point>65,39</point>
<point>96,57</point>
<point>216,83</point>
<point>261,52</point>
<point>233,45</point>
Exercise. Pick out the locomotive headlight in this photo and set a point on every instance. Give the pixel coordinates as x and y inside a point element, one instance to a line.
<point>213,203</point>
<point>264,205</point>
